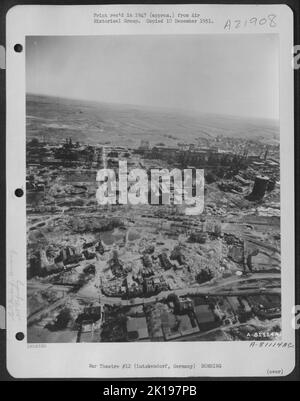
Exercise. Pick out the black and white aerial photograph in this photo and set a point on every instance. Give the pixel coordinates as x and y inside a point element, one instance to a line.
<point>107,119</point>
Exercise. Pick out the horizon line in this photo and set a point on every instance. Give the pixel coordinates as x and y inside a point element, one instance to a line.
<point>182,110</point>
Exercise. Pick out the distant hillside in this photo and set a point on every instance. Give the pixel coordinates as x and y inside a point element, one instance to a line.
<point>91,122</point>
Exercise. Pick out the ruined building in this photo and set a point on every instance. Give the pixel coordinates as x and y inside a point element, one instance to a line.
<point>259,188</point>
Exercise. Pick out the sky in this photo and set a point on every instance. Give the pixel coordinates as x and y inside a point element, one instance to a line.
<point>221,74</point>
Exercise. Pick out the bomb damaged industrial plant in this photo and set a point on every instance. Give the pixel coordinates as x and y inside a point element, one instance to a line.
<point>150,272</point>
